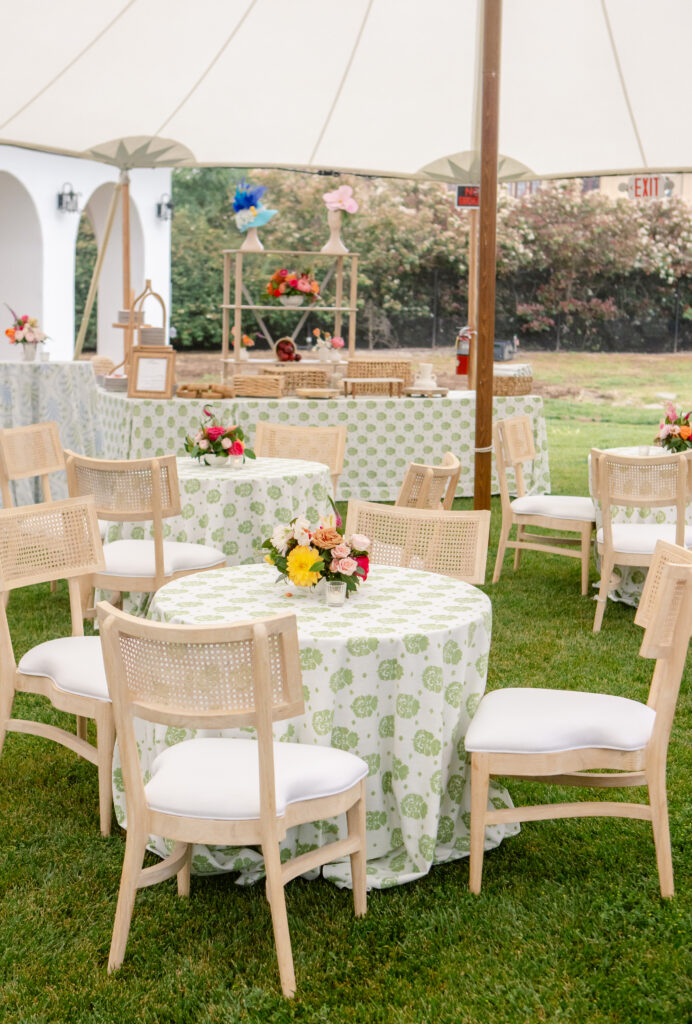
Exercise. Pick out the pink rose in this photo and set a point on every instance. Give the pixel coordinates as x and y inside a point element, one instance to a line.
<point>341,551</point>
<point>214,433</point>
<point>337,342</point>
<point>347,566</point>
<point>226,442</point>
<point>237,448</point>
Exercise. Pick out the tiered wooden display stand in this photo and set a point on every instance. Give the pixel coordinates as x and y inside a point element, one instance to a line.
<point>233,266</point>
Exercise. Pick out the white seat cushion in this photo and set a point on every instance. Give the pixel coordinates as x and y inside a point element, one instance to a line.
<point>559,506</point>
<point>136,557</point>
<point>219,777</point>
<point>525,721</point>
<point>74,663</point>
<point>641,538</point>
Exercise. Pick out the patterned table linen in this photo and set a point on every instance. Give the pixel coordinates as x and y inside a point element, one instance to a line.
<point>395,676</point>
<point>384,434</point>
<point>63,392</point>
<point>630,578</point>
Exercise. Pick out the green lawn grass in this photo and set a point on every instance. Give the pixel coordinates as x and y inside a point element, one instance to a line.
<point>569,926</point>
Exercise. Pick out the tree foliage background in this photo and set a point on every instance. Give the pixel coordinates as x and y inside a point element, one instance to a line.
<point>575,270</point>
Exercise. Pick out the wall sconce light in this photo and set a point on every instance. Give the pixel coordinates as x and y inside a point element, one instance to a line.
<point>164,207</point>
<point>68,199</point>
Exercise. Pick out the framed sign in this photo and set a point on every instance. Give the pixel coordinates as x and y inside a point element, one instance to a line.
<point>468,196</point>
<point>152,372</point>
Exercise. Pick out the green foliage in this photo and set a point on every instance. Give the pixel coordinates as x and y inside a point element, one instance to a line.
<point>85,258</point>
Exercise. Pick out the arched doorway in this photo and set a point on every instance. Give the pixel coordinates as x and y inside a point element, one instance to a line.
<point>21,257</point>
<point>110,292</point>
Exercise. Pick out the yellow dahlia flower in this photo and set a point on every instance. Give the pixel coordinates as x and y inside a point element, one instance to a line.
<point>298,566</point>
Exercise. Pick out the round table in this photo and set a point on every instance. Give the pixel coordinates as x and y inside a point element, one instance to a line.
<point>630,578</point>
<point>235,510</point>
<point>394,675</point>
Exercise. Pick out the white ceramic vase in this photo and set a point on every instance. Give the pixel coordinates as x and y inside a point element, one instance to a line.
<point>334,244</point>
<point>251,242</point>
<point>291,301</point>
<point>224,461</point>
<point>29,352</point>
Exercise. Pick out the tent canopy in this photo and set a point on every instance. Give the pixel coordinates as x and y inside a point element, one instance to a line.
<point>376,86</point>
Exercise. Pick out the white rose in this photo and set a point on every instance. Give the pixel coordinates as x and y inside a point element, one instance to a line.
<point>226,442</point>
<point>281,537</point>
<point>204,444</point>
<point>360,542</point>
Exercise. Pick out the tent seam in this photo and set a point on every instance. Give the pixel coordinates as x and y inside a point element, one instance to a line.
<point>621,76</point>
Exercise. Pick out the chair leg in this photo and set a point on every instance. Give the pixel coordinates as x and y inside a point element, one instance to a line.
<point>135,846</point>
<point>661,829</point>
<point>601,600</point>
<point>355,819</point>
<point>105,740</point>
<point>53,586</point>
<point>184,874</point>
<point>6,702</point>
<point>585,558</point>
<point>501,549</point>
<point>521,530</point>
<point>277,904</point>
<point>82,727</point>
<point>479,805</point>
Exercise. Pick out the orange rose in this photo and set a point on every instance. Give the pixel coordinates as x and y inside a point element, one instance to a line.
<point>685,432</point>
<point>327,538</point>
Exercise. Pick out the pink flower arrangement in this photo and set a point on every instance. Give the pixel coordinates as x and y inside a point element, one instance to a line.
<point>341,199</point>
<point>214,439</point>
<point>674,432</point>
<point>24,330</point>
<point>324,340</point>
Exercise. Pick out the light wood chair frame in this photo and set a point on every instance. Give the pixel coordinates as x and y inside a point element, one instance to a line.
<point>18,572</point>
<point>165,503</point>
<point>407,526</point>
<point>285,441</point>
<point>430,486</point>
<point>511,455</point>
<point>267,830</point>
<point>34,450</point>
<point>675,491</point>
<point>665,612</point>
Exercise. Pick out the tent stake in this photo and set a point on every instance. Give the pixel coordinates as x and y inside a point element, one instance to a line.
<point>492,38</point>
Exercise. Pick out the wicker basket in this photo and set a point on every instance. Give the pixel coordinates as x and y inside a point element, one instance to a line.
<point>381,368</point>
<point>512,385</point>
<point>261,385</point>
<point>102,365</point>
<point>299,377</point>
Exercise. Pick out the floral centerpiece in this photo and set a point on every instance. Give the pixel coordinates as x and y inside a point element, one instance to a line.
<point>324,342</point>
<point>674,432</point>
<point>213,439</point>
<point>24,330</point>
<point>304,554</point>
<point>338,202</point>
<point>293,285</point>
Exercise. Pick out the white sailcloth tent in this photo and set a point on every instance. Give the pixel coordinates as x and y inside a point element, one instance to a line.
<point>383,87</point>
<point>379,86</point>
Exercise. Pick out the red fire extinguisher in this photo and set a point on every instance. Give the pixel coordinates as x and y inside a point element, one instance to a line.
<point>463,340</point>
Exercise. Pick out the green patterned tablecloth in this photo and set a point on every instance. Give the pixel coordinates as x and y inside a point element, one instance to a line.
<point>630,578</point>
<point>384,434</point>
<point>235,510</point>
<point>62,392</point>
<point>395,676</point>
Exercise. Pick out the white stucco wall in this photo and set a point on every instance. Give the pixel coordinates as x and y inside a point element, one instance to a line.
<point>37,244</point>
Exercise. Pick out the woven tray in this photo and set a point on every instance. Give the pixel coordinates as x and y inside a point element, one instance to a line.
<point>512,385</point>
<point>204,390</point>
<point>317,393</point>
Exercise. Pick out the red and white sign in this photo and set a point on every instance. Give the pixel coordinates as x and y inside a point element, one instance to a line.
<point>468,196</point>
<point>648,186</point>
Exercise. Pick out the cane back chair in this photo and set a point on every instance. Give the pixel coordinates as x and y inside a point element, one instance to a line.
<point>222,789</point>
<point>566,737</point>
<point>38,543</point>
<point>315,444</point>
<point>450,543</point>
<point>34,450</point>
<point>514,447</point>
<point>138,490</point>
<point>430,486</point>
<point>637,482</point>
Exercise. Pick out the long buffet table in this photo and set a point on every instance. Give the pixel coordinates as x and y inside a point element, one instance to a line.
<point>384,434</point>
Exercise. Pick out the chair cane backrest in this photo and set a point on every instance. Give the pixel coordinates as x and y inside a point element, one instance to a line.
<point>314,444</point>
<point>514,445</point>
<point>127,490</point>
<point>640,482</point>
<point>34,450</point>
<point>202,677</point>
<point>430,486</point>
<point>435,540</point>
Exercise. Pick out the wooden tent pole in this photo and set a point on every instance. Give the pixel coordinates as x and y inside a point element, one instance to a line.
<point>473,295</point>
<point>125,183</point>
<point>93,287</point>
<point>492,37</point>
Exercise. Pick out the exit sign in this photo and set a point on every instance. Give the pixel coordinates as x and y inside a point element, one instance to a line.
<point>648,186</point>
<point>468,196</point>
